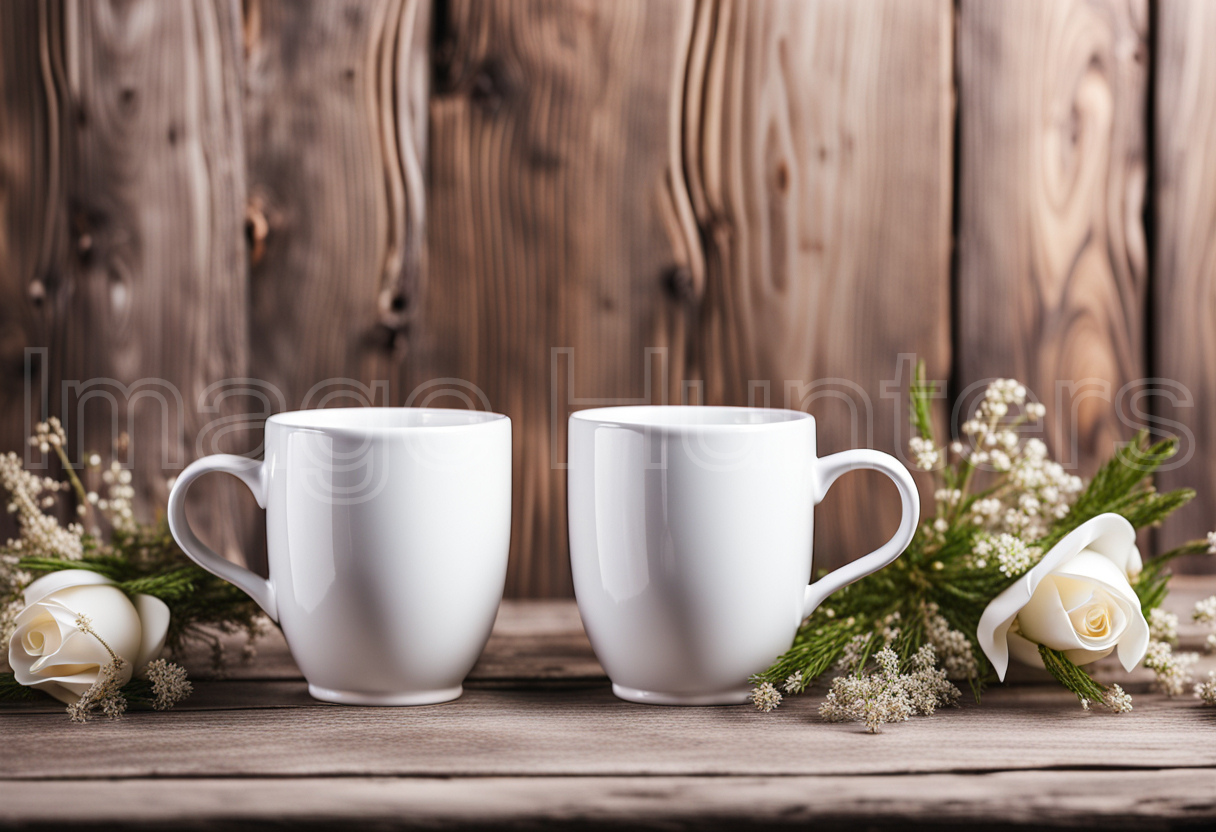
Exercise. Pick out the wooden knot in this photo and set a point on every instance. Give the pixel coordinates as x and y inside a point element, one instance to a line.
<point>257,229</point>
<point>491,86</point>
<point>394,310</point>
<point>678,283</point>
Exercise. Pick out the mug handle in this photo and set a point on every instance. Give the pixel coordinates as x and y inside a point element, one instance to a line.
<point>827,470</point>
<point>252,473</point>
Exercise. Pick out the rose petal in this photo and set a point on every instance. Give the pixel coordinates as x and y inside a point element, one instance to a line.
<point>1115,539</point>
<point>1134,643</point>
<point>112,615</point>
<point>1116,620</point>
<point>1073,593</point>
<point>62,579</point>
<point>1091,567</point>
<point>1083,656</point>
<point>154,622</point>
<point>78,654</point>
<point>68,694</point>
<point>65,649</point>
<point>1045,621</point>
<point>1026,652</point>
<point>993,631</point>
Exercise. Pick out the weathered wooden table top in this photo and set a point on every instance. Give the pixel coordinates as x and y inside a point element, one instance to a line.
<point>538,740</point>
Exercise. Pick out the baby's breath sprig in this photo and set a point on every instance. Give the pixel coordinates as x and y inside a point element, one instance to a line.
<point>891,692</point>
<point>169,684</point>
<point>105,695</point>
<point>139,557</point>
<point>1205,613</point>
<point>1000,503</point>
<point>1206,690</point>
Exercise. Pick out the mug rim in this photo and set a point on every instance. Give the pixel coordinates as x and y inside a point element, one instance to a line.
<point>674,417</point>
<point>370,419</point>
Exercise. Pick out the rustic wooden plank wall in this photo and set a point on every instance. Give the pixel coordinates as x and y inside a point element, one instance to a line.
<point>124,219</point>
<point>818,157</point>
<point>706,200</point>
<point>1184,295</point>
<point>335,130</point>
<point>612,177</point>
<point>1052,258</point>
<point>550,134</point>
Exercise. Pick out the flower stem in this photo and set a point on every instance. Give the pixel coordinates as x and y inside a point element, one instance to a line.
<point>77,485</point>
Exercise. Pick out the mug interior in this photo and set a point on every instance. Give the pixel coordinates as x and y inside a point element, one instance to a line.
<point>360,418</point>
<point>689,415</point>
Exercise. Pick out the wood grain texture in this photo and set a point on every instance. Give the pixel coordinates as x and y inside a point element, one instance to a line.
<point>128,206</point>
<point>335,130</point>
<point>272,729</point>
<point>546,206</point>
<point>817,147</point>
<point>1184,289</point>
<point>29,175</point>
<point>1176,797</point>
<point>1052,259</point>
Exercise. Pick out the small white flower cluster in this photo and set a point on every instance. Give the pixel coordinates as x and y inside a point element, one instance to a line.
<point>1205,613</point>
<point>1173,670</point>
<point>1206,690</point>
<point>1212,543</point>
<point>948,496</point>
<point>924,455</point>
<point>49,434</point>
<point>41,535</point>
<point>994,441</point>
<point>957,656</point>
<point>117,504</point>
<point>1205,610</point>
<point>169,683</point>
<point>1162,625</point>
<point>890,629</point>
<point>886,695</point>
<point>766,697</point>
<point>1013,556</point>
<point>1117,700</point>
<point>850,657</point>
<point>794,683</point>
<point>1040,492</point>
<point>105,695</point>
<point>1036,491</point>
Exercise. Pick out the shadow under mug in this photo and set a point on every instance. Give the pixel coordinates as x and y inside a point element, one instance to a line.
<point>690,542</point>
<point>387,532</point>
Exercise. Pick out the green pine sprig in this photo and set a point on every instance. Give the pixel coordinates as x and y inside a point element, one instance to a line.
<point>1072,677</point>
<point>13,691</point>
<point>1122,486</point>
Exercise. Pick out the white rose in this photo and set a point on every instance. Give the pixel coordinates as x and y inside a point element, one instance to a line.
<point>47,650</point>
<point>1077,600</point>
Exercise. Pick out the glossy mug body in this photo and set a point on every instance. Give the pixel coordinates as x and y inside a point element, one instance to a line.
<point>691,533</point>
<point>387,534</point>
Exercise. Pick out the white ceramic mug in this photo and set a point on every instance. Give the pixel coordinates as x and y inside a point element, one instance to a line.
<point>690,542</point>
<point>387,531</point>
